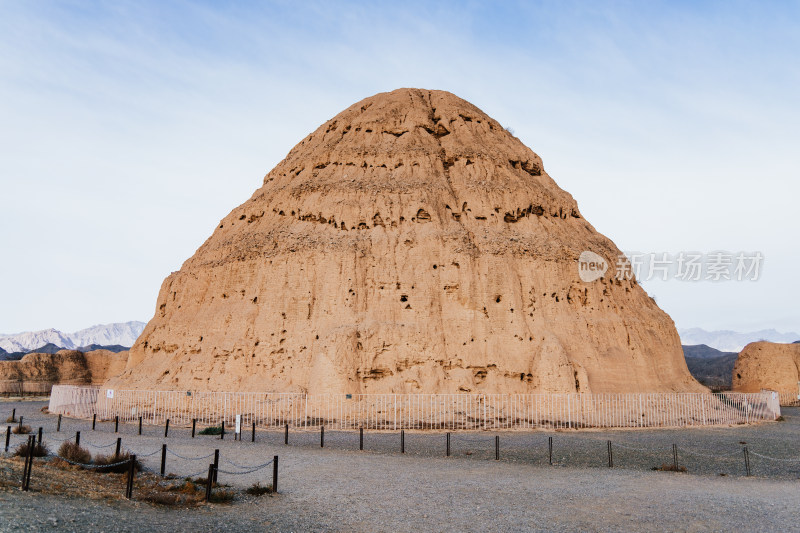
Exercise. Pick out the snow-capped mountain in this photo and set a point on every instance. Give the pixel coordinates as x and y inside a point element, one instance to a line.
<point>123,333</point>
<point>733,341</point>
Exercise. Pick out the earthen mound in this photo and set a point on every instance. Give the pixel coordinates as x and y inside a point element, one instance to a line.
<point>38,372</point>
<point>767,365</point>
<point>410,244</point>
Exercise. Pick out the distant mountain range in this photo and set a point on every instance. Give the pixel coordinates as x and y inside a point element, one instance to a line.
<point>122,334</point>
<point>733,341</point>
<point>711,367</point>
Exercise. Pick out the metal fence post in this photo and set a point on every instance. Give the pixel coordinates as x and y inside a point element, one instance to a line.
<point>77,438</point>
<point>194,426</point>
<point>448,445</point>
<point>163,458</point>
<point>746,460</point>
<point>58,425</point>
<point>286,435</point>
<point>210,480</point>
<point>497,447</point>
<point>675,456</point>
<point>550,449</point>
<point>40,437</point>
<point>402,441</point>
<point>26,471</point>
<point>322,436</point>
<point>140,425</point>
<point>119,447</point>
<point>31,446</point>
<point>275,474</point>
<point>131,474</point>
<point>254,433</point>
<point>8,436</point>
<point>116,424</point>
<point>610,456</point>
<point>166,428</point>
<point>94,421</point>
<point>361,438</point>
<point>216,464</point>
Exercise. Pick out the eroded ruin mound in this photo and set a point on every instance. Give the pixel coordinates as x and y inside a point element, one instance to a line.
<point>767,365</point>
<point>410,244</point>
<point>38,372</point>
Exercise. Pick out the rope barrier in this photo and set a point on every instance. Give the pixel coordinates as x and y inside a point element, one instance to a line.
<point>792,460</point>
<point>100,445</point>
<point>711,456</point>
<point>203,471</point>
<point>82,465</point>
<point>190,458</point>
<point>634,448</point>
<point>241,466</point>
<point>253,469</point>
<point>475,440</point>
<point>158,450</point>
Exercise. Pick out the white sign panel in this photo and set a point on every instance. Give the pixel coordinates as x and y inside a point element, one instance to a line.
<point>238,423</point>
<point>109,393</point>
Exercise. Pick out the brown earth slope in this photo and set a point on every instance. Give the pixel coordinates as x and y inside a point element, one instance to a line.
<point>767,365</point>
<point>410,244</point>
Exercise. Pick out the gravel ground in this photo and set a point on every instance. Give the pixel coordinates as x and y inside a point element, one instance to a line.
<point>379,489</point>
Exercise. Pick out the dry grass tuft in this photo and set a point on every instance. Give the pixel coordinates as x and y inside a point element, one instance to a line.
<point>39,450</point>
<point>71,451</point>
<point>222,496</point>
<point>188,487</point>
<point>160,498</point>
<point>11,419</point>
<point>669,467</point>
<point>257,490</point>
<point>21,430</point>
<point>102,460</point>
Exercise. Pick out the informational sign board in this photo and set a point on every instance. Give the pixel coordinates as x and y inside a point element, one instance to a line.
<point>238,424</point>
<point>109,393</point>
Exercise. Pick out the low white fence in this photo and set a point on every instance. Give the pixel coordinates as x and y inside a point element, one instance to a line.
<point>790,398</point>
<point>418,411</point>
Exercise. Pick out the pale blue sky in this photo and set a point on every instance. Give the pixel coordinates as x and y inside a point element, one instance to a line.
<point>127,130</point>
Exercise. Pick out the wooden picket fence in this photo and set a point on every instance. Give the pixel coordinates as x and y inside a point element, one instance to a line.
<point>418,411</point>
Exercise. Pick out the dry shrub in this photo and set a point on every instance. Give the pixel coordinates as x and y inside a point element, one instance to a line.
<point>257,490</point>
<point>39,450</point>
<point>211,430</point>
<point>203,481</point>
<point>160,498</point>
<point>113,459</point>
<point>21,430</point>
<point>185,493</point>
<point>71,451</point>
<point>669,467</point>
<point>188,487</point>
<point>45,410</point>
<point>222,496</point>
<point>11,419</point>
